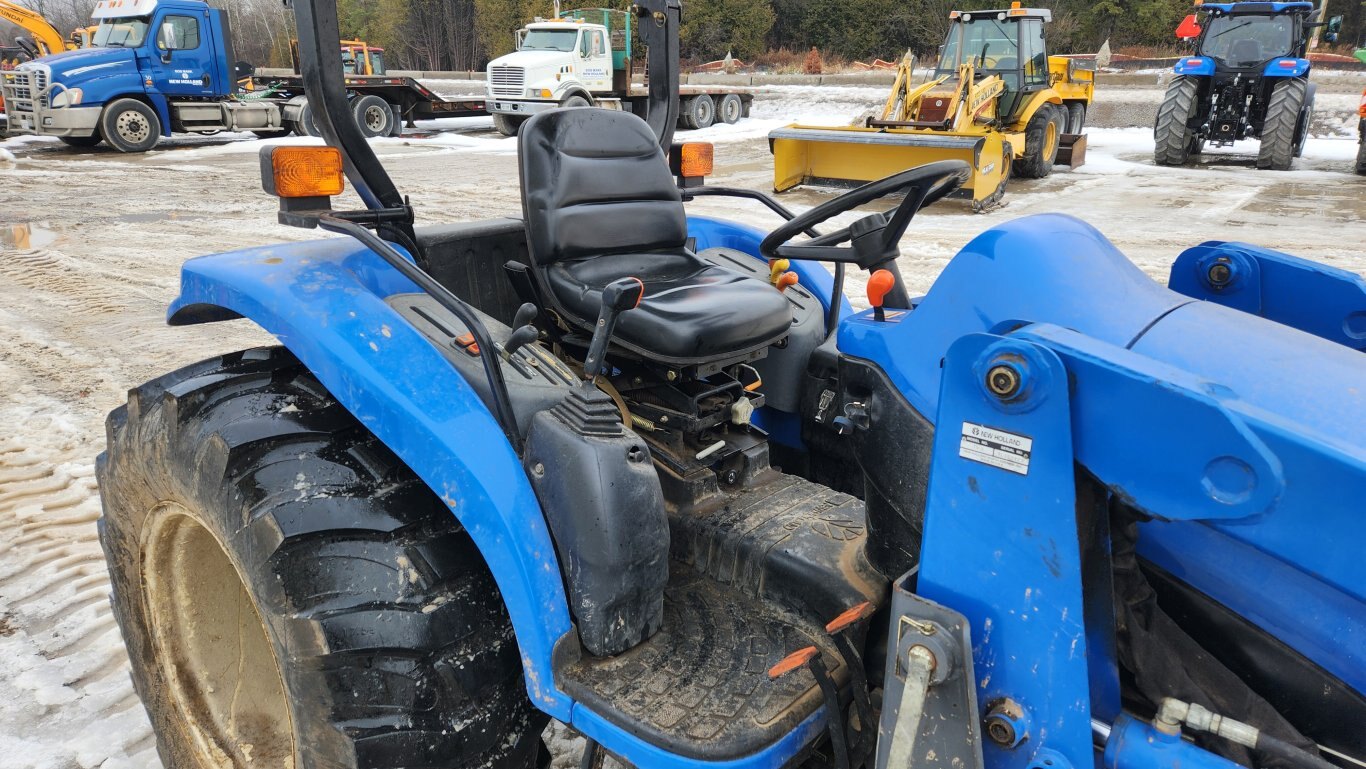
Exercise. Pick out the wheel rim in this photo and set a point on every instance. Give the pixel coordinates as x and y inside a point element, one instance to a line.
<point>376,119</point>
<point>215,657</point>
<point>1050,140</point>
<point>132,126</point>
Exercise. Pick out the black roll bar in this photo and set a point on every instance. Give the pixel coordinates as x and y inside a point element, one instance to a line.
<point>325,86</point>
<point>657,24</point>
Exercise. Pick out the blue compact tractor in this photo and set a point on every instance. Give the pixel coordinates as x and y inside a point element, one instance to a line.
<point>1248,79</point>
<point>650,475</point>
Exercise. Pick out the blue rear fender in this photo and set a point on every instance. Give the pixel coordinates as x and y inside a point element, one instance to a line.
<point>1194,65</point>
<point>324,300</point>
<point>1286,67</point>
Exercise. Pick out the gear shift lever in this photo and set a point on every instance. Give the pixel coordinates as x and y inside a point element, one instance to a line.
<point>618,296</point>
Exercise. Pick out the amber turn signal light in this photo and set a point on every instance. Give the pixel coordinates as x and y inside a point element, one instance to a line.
<point>303,172</point>
<point>691,163</point>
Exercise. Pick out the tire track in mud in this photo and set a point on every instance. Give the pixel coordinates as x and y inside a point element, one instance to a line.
<point>70,692</point>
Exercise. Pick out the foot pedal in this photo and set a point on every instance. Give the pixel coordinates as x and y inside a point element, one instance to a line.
<point>810,658</point>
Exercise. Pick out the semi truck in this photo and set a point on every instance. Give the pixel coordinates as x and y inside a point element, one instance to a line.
<point>161,67</point>
<point>584,58</point>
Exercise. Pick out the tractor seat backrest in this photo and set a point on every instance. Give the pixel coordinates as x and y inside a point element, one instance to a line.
<point>595,182</point>
<point>1245,52</point>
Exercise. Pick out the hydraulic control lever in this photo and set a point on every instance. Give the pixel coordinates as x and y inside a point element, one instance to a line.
<point>617,297</point>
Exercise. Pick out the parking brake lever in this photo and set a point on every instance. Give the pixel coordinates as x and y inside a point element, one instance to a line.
<point>617,297</point>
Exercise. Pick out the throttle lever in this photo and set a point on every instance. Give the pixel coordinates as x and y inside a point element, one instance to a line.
<point>617,297</point>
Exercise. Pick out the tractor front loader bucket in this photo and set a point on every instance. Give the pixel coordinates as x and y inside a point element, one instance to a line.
<point>806,154</point>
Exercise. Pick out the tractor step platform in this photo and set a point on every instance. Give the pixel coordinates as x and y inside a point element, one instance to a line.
<point>700,686</point>
<point>787,541</point>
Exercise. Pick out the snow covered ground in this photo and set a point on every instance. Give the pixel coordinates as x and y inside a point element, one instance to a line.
<point>90,244</point>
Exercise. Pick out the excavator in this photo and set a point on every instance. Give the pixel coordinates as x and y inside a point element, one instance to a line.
<point>46,39</point>
<point>996,100</point>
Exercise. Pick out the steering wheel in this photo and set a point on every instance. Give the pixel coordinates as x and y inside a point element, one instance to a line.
<point>873,239</point>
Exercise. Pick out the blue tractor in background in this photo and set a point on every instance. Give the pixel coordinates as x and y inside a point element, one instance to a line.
<point>649,474</point>
<point>1248,79</point>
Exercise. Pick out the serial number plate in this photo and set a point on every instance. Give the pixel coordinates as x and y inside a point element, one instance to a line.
<point>997,448</point>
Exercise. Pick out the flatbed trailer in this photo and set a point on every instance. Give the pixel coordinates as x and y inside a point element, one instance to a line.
<point>408,98</point>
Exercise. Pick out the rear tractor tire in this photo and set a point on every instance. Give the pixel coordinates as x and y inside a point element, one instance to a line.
<point>699,112</point>
<point>1280,127</point>
<point>129,125</point>
<point>1043,136</point>
<point>291,595</point>
<point>1175,134</point>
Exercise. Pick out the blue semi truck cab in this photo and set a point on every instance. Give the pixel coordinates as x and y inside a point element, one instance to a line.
<point>157,67</point>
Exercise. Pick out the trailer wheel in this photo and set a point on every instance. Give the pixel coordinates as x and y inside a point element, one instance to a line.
<point>1076,117</point>
<point>81,141</point>
<point>278,133</point>
<point>290,593</point>
<point>508,125</point>
<point>1283,112</point>
<point>731,109</point>
<point>699,111</point>
<point>373,116</point>
<point>1042,137</point>
<point>129,125</point>
<point>1174,134</point>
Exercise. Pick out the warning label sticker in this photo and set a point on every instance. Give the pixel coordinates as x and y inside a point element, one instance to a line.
<point>997,448</point>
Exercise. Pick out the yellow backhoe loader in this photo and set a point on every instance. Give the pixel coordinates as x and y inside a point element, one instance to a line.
<point>996,100</point>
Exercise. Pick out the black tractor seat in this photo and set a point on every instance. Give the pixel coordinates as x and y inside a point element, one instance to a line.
<point>600,204</point>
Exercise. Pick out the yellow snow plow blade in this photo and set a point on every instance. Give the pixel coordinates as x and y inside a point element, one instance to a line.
<point>810,154</point>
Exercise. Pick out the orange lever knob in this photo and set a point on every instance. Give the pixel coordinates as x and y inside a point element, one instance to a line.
<point>787,279</point>
<point>881,282</point>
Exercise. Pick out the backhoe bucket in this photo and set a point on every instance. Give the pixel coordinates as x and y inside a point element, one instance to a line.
<point>803,155</point>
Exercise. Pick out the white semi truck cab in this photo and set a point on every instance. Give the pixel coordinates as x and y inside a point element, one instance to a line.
<point>583,58</point>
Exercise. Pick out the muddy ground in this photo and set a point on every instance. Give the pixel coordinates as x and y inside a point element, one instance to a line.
<point>91,242</point>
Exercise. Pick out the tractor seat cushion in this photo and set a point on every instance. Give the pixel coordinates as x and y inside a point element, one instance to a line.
<point>601,204</point>
<point>692,310</point>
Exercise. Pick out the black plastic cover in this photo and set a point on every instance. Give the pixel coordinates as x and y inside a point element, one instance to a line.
<point>605,509</point>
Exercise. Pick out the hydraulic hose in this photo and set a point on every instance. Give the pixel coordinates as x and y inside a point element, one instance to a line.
<point>1282,749</point>
<point>1173,713</point>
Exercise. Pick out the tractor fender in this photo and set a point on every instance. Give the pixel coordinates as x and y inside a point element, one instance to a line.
<point>1046,96</point>
<point>1286,67</point>
<point>324,300</point>
<point>1194,65</point>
